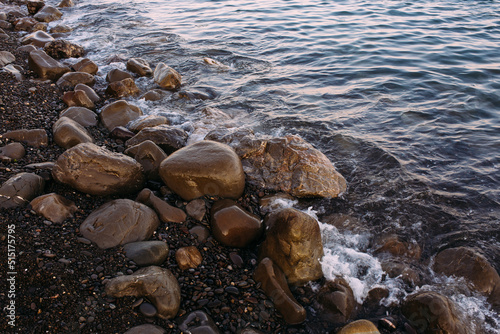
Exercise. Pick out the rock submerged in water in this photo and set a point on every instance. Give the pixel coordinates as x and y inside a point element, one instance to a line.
<point>119,222</point>
<point>275,286</point>
<point>293,242</point>
<point>157,284</point>
<point>204,168</point>
<point>97,171</point>
<point>336,301</point>
<point>233,226</point>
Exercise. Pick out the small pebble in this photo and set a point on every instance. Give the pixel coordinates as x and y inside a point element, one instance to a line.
<point>148,310</point>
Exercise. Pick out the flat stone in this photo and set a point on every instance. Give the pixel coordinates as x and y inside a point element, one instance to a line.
<point>85,65</point>
<point>146,329</point>
<point>27,48</point>
<point>60,48</point>
<point>6,58</point>
<point>166,212</point>
<point>106,172</point>
<point>148,310</point>
<point>188,257</point>
<point>139,66</point>
<point>360,327</point>
<point>54,207</point>
<point>48,14</point>
<point>293,242</point>
<point>68,133</point>
<point>81,115</point>
<point>14,151</point>
<point>119,222</point>
<point>167,137</point>
<point>276,288</point>
<point>149,121</point>
<point>78,98</point>
<point>204,168</point>
<point>19,189</point>
<point>150,156</point>
<point>34,137</point>
<point>117,75</point>
<point>92,95</point>
<point>156,284</point>
<point>198,322</point>
<point>71,79</point>
<point>37,38</point>
<point>45,66</point>
<point>336,301</point>
<point>119,113</point>
<point>426,311</point>
<point>232,225</point>
<point>147,253</point>
<point>122,88</point>
<point>166,77</point>
<point>196,209</point>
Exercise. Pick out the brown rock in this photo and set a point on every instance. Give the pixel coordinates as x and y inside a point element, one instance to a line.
<point>196,209</point>
<point>430,312</point>
<point>336,301</point>
<point>139,66</point>
<point>24,24</point>
<point>83,116</point>
<point>147,253</point>
<point>166,77</point>
<point>167,137</point>
<point>233,226</point>
<point>68,133</point>
<point>5,25</point>
<point>48,14</point>
<point>146,329</point>
<point>89,91</point>
<point>60,48</point>
<point>117,75</point>
<point>188,257</point>
<point>40,27</point>
<point>45,66</point>
<point>395,268</point>
<point>165,211</point>
<point>157,284</point>
<point>359,327</point>
<point>106,173</point>
<point>154,95</point>
<point>86,65</point>
<point>121,133</point>
<point>34,6</point>
<point>14,151</point>
<point>78,98</point>
<point>149,121</point>
<point>119,222</point>
<point>150,156</point>
<point>204,168</point>
<point>391,244</point>
<point>123,88</point>
<point>276,288</point>
<point>293,242</point>
<point>201,232</point>
<point>38,38</point>
<point>119,113</point>
<point>66,3</point>
<point>474,267</point>
<point>23,185</point>
<point>62,29</point>
<point>70,80</point>
<point>274,202</point>
<point>198,322</point>
<point>35,137</point>
<point>54,207</point>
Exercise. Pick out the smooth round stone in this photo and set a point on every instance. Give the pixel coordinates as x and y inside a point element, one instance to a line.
<point>233,226</point>
<point>198,322</point>
<point>78,98</point>
<point>86,65</point>
<point>204,168</point>
<point>188,257</point>
<point>147,253</point>
<point>148,310</point>
<point>68,133</point>
<point>147,122</point>
<point>23,185</point>
<point>71,79</point>
<point>92,95</point>
<point>150,156</point>
<point>38,38</point>
<point>139,66</point>
<point>360,327</point>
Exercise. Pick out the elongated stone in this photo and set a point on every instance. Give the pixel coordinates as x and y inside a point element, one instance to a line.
<point>45,66</point>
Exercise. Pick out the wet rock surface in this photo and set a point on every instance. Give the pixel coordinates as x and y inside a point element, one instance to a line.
<point>119,113</point>
<point>139,66</point>
<point>54,207</point>
<point>166,77</point>
<point>63,49</point>
<point>106,172</point>
<point>119,222</point>
<point>336,301</point>
<point>204,168</point>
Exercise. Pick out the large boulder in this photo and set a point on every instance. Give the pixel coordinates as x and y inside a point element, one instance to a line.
<point>119,113</point>
<point>293,242</point>
<point>119,222</point>
<point>276,288</point>
<point>474,267</point>
<point>68,133</point>
<point>430,312</point>
<point>94,170</point>
<point>166,77</point>
<point>288,164</point>
<point>45,66</point>
<point>232,225</point>
<point>204,168</point>
<point>167,137</point>
<point>20,189</point>
<point>157,284</point>
<point>54,207</point>
<point>32,137</point>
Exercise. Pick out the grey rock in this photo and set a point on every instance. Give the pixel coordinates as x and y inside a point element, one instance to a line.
<point>6,58</point>
<point>146,329</point>
<point>147,253</point>
<point>198,322</point>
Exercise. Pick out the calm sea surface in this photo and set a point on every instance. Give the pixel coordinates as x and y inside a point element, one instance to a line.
<point>404,97</point>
